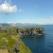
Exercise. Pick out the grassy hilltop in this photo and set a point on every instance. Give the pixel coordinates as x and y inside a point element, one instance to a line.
<point>8,39</point>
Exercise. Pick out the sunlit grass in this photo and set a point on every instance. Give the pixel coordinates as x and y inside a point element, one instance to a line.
<point>11,40</point>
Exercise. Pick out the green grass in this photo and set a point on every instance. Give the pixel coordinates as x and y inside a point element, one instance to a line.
<point>10,41</point>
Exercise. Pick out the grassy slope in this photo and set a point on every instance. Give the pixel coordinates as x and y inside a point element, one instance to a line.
<point>11,40</point>
<point>23,48</point>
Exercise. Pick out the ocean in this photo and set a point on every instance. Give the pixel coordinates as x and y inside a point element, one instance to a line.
<point>43,44</point>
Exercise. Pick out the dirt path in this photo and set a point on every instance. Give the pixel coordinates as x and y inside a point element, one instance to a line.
<point>3,51</point>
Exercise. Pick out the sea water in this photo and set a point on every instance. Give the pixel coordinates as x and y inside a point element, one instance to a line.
<point>43,44</point>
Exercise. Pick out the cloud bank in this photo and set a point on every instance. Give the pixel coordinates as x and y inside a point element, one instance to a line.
<point>42,21</point>
<point>7,8</point>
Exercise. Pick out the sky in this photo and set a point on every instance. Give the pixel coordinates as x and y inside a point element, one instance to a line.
<point>26,11</point>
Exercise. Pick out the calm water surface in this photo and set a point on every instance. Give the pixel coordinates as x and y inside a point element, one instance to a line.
<point>43,44</point>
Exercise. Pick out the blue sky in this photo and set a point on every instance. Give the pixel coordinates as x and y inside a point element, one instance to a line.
<point>26,11</point>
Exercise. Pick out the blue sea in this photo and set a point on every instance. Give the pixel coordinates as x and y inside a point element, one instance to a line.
<point>43,44</point>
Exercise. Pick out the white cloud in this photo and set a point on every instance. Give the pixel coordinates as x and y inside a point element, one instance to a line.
<point>7,8</point>
<point>43,21</point>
